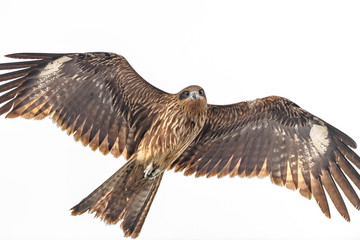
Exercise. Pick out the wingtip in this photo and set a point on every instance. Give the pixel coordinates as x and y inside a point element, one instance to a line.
<point>346,217</point>
<point>32,55</point>
<point>14,55</point>
<point>343,137</point>
<point>351,143</point>
<point>327,214</point>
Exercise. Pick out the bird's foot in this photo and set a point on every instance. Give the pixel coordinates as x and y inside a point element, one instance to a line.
<point>151,171</point>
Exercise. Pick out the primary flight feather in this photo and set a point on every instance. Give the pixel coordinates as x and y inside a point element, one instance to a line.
<point>104,103</point>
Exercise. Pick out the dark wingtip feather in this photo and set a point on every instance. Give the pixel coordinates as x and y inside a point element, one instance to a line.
<point>344,184</point>
<point>5,108</point>
<point>348,153</point>
<point>348,169</point>
<point>13,75</point>
<point>343,137</point>
<point>320,197</point>
<point>15,65</point>
<point>33,55</point>
<point>334,194</point>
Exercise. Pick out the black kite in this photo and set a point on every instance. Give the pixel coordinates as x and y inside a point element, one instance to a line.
<point>100,99</point>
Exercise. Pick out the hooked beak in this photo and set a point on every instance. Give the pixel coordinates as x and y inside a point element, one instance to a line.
<point>195,95</point>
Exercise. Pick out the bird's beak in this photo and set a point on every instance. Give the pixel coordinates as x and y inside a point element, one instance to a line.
<point>195,95</point>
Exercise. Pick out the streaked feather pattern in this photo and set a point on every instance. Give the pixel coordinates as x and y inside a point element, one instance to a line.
<point>97,97</point>
<point>127,195</point>
<point>271,137</point>
<point>105,104</point>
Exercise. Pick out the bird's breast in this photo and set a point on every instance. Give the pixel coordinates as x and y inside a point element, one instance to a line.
<point>168,137</point>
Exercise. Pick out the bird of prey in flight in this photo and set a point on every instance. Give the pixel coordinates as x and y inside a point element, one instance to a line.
<point>105,104</point>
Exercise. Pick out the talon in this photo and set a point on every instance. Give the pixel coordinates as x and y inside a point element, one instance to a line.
<point>150,171</point>
<point>155,172</point>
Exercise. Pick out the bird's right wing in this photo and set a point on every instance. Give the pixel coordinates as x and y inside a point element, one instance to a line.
<point>98,97</point>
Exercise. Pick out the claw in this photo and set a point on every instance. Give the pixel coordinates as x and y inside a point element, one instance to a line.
<point>150,171</point>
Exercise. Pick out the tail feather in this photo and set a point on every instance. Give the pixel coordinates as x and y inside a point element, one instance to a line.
<point>135,215</point>
<point>127,195</point>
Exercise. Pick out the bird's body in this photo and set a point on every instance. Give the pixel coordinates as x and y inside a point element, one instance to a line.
<point>104,103</point>
<point>173,130</point>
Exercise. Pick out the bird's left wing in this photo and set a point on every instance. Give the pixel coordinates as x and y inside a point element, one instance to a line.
<point>98,97</point>
<point>275,137</point>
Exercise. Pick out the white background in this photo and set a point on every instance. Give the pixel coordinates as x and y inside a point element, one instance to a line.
<point>307,51</point>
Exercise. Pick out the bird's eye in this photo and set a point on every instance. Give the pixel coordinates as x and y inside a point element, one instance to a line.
<point>184,94</point>
<point>201,92</point>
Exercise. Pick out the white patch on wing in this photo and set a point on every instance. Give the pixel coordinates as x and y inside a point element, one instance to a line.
<point>54,66</point>
<point>318,135</point>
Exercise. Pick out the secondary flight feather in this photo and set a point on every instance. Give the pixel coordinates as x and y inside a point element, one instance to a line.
<point>104,103</point>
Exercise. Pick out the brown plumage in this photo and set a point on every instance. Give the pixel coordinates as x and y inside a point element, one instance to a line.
<point>104,103</point>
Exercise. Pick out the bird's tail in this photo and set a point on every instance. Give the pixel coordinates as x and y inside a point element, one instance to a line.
<point>127,195</point>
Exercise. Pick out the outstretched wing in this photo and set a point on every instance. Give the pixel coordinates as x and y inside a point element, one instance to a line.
<point>98,97</point>
<point>273,136</point>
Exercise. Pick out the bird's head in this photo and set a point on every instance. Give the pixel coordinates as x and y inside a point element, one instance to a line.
<point>193,98</point>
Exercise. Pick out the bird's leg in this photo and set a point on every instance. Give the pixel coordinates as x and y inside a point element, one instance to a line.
<point>151,171</point>
<point>148,169</point>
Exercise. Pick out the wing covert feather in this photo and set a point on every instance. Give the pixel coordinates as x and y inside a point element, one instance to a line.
<point>98,97</point>
<point>275,137</point>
